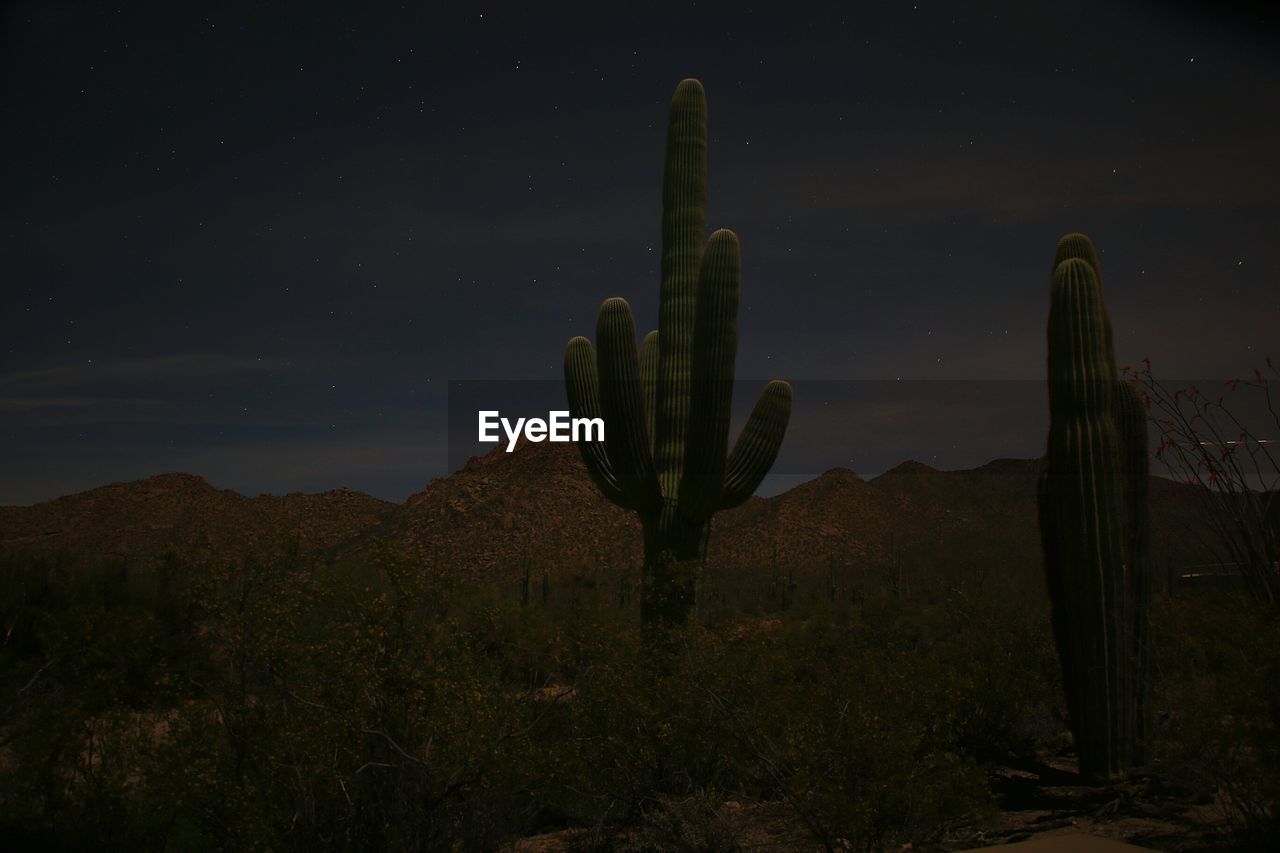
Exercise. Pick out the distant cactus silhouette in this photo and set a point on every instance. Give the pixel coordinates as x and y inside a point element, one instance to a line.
<point>1094,521</point>
<point>526,566</point>
<point>666,408</point>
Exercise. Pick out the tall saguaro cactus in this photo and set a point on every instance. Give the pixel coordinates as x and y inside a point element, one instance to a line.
<point>666,407</point>
<point>1093,521</point>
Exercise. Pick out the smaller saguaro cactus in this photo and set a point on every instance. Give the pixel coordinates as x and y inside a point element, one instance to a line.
<point>1093,521</point>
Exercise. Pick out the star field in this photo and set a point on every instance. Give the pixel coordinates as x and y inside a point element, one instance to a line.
<point>255,243</point>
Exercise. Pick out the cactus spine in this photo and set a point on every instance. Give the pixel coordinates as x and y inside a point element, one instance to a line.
<point>1093,521</point>
<point>666,407</point>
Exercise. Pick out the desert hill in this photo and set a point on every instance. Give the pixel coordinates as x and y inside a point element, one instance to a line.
<point>537,504</point>
<point>143,520</point>
<point>499,509</point>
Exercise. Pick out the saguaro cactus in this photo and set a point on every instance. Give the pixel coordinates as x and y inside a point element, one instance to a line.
<point>666,408</point>
<point>1093,521</point>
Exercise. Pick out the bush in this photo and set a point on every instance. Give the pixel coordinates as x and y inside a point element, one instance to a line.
<point>1218,697</point>
<point>271,705</point>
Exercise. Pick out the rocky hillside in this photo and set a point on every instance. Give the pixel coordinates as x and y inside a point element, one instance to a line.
<point>537,504</point>
<point>499,509</point>
<point>143,520</point>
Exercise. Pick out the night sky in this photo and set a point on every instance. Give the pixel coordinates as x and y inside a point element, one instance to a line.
<point>256,241</point>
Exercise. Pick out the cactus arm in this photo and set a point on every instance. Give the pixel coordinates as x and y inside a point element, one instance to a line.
<point>582,386</point>
<point>684,198</point>
<point>715,348</point>
<point>1129,412</point>
<point>1130,415</point>
<point>757,447</point>
<point>649,378</point>
<point>622,401</point>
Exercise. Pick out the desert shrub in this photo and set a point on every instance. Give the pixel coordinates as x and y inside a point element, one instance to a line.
<point>1218,704</point>
<point>857,735</point>
<point>1003,673</point>
<point>624,731</point>
<point>271,705</point>
<point>90,663</point>
<point>352,712</point>
<point>866,722</point>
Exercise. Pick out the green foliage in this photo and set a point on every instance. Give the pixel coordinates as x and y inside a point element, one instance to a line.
<point>90,666</point>
<point>1094,521</point>
<point>867,730</point>
<point>273,706</point>
<point>666,407</point>
<point>1219,703</point>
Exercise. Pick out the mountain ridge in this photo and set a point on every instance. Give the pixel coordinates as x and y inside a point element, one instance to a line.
<point>538,505</point>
